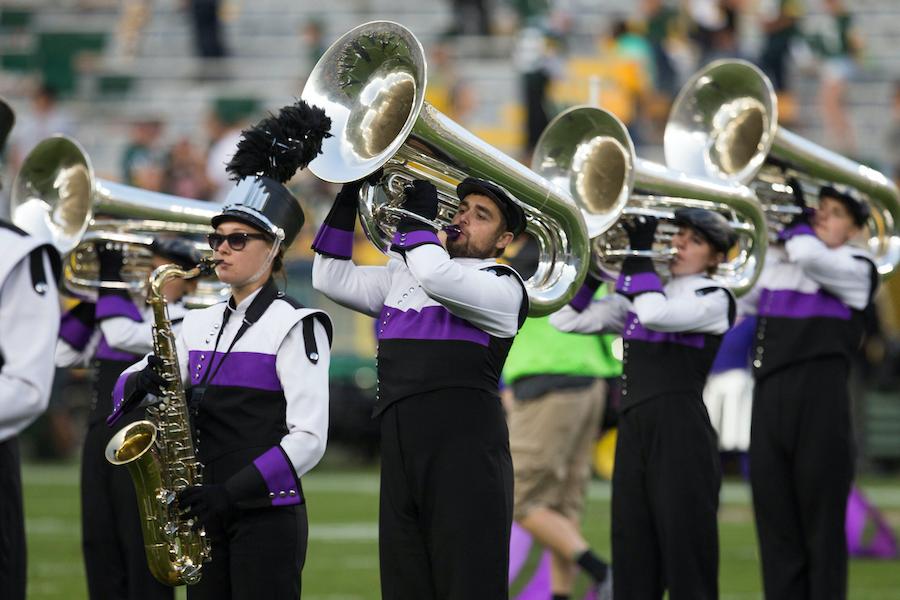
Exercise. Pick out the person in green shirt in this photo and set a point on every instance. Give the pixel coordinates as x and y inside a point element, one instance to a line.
<point>559,389</point>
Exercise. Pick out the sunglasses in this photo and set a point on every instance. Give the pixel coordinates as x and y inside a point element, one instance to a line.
<point>236,241</point>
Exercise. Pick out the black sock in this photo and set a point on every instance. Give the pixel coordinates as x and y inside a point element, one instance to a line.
<point>592,564</point>
<point>561,596</point>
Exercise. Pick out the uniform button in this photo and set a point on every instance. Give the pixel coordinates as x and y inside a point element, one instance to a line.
<point>624,392</point>
<point>624,376</point>
<point>293,492</point>
<point>314,355</point>
<point>282,494</point>
<point>271,494</point>
<point>757,363</point>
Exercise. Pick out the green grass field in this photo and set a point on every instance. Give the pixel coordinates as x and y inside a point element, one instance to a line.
<point>342,561</point>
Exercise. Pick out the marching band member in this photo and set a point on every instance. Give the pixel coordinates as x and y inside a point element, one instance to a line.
<point>29,322</point>
<point>110,336</point>
<point>447,314</point>
<point>809,301</point>
<point>256,371</point>
<point>667,475</point>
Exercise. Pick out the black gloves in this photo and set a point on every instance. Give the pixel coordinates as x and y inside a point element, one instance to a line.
<point>641,232</point>
<point>148,380</point>
<point>330,240</point>
<point>205,503</point>
<point>800,223</point>
<point>110,262</point>
<point>421,199</point>
<point>137,385</point>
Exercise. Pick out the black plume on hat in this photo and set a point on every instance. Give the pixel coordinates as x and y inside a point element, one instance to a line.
<point>268,155</point>
<point>278,146</point>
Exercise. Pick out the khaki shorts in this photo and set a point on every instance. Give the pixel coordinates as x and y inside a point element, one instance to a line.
<point>550,439</point>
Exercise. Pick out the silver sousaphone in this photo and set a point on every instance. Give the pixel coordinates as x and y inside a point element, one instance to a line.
<point>371,83</point>
<point>588,152</point>
<point>724,125</point>
<point>56,197</point>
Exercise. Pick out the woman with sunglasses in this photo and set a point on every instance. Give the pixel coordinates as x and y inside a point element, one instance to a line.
<point>256,372</point>
<point>667,475</point>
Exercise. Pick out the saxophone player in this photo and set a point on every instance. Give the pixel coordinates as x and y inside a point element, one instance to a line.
<point>256,372</point>
<point>109,336</point>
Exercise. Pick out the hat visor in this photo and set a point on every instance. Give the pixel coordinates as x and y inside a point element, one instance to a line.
<point>514,215</point>
<point>242,217</point>
<point>717,243</point>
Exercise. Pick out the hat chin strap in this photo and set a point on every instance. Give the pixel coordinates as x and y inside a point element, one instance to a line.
<point>269,258</point>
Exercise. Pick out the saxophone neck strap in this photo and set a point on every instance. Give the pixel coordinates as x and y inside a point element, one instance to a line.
<point>264,299</point>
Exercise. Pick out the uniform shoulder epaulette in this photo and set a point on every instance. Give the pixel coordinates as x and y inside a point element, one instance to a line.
<point>13,228</point>
<point>40,280</point>
<point>293,302</point>
<point>732,303</point>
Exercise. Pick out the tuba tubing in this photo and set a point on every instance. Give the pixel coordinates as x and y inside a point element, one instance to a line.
<point>589,152</point>
<point>56,195</point>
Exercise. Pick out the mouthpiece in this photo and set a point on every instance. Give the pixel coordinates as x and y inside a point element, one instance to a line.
<point>452,231</point>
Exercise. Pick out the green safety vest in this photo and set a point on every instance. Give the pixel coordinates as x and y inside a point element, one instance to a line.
<point>541,349</point>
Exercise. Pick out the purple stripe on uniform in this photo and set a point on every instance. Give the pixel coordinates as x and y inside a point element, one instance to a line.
<point>734,353</point>
<point>106,352</point>
<point>74,332</point>
<point>279,475</point>
<point>801,229</point>
<point>639,283</point>
<point>118,399</point>
<point>637,332</point>
<point>583,298</point>
<point>337,242</point>
<point>431,323</point>
<point>415,238</point>
<point>241,369</point>
<point>113,305</point>
<point>791,304</point>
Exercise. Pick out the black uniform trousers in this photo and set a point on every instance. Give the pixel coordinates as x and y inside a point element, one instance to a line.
<point>111,537</point>
<point>665,497</point>
<point>12,523</point>
<point>801,469</point>
<point>255,553</point>
<point>446,497</point>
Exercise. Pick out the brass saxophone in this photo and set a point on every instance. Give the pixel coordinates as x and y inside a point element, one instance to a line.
<point>159,454</point>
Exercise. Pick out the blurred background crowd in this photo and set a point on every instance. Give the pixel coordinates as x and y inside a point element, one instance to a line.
<point>157,91</point>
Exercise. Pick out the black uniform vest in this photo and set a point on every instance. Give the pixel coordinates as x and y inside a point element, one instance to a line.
<point>442,351</point>
<point>656,364</point>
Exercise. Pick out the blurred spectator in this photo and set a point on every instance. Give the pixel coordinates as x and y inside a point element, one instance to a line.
<point>45,118</point>
<point>470,17</point>
<point>142,160</point>
<point>661,20</point>
<point>538,55</point>
<point>834,40</point>
<point>447,91</point>
<point>780,26</point>
<point>224,124</point>
<point>706,18</point>
<point>313,41</point>
<point>634,54</point>
<point>892,140</point>
<point>186,171</point>
<point>207,28</point>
